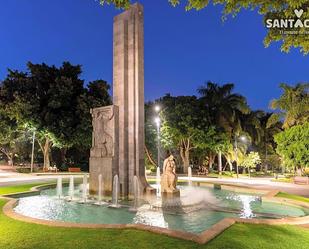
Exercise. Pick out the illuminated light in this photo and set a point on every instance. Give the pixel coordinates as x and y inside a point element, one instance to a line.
<point>157,108</point>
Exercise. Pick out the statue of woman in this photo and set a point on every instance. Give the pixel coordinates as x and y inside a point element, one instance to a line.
<point>169,177</point>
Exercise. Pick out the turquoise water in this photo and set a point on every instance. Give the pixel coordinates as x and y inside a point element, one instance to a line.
<point>219,204</point>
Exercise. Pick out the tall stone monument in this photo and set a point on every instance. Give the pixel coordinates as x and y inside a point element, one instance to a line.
<point>126,158</point>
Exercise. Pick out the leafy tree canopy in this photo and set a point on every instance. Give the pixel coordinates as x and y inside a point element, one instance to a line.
<point>54,102</point>
<point>251,160</point>
<point>293,145</point>
<point>292,105</point>
<point>268,9</point>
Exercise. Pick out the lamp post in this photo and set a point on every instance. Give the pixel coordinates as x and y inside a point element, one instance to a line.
<point>242,138</point>
<point>158,122</point>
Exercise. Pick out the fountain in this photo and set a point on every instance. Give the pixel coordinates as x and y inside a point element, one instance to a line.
<point>100,190</point>
<point>190,176</point>
<point>71,188</point>
<point>158,179</point>
<point>136,192</point>
<point>59,187</point>
<point>85,189</point>
<point>117,159</point>
<point>115,192</point>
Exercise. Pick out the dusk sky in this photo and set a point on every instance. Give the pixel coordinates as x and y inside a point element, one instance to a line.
<point>182,49</point>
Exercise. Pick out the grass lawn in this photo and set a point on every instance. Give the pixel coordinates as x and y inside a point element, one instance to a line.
<point>293,197</point>
<point>21,235</point>
<point>288,180</point>
<point>17,188</point>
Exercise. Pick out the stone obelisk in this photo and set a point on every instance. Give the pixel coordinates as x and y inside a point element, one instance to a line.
<point>128,90</point>
<point>118,136</point>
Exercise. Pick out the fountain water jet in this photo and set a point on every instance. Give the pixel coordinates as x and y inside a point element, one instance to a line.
<point>136,192</point>
<point>190,176</point>
<point>116,188</point>
<point>158,179</point>
<point>100,191</point>
<point>59,187</point>
<point>71,188</point>
<point>85,189</point>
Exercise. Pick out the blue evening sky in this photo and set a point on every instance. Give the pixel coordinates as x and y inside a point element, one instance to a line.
<point>182,49</point>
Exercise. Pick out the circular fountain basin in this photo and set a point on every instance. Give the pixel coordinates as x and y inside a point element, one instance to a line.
<point>197,209</point>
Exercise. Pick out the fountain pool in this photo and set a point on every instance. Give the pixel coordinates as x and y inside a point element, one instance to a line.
<point>217,205</point>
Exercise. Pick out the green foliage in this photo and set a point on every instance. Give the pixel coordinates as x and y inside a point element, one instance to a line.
<point>12,138</point>
<point>292,105</point>
<point>283,9</point>
<point>223,107</point>
<point>293,144</point>
<point>53,102</point>
<point>151,135</point>
<point>251,160</point>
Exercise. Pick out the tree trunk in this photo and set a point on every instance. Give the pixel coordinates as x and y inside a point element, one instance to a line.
<point>149,156</point>
<point>185,154</point>
<point>46,154</point>
<point>266,160</point>
<point>186,162</point>
<point>230,165</point>
<point>211,159</point>
<point>220,163</point>
<point>9,157</point>
<point>10,161</point>
<point>63,152</point>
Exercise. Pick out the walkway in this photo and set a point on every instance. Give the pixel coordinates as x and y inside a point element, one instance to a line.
<point>11,178</point>
<point>8,178</point>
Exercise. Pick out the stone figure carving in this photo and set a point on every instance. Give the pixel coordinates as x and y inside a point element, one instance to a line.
<point>169,177</point>
<point>102,141</point>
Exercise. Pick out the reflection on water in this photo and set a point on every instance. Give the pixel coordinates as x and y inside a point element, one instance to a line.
<point>217,204</point>
<point>149,217</point>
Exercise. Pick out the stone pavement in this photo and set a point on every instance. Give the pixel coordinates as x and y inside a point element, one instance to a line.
<point>258,183</point>
<point>8,178</point>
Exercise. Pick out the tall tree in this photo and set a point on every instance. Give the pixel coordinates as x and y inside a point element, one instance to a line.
<point>183,121</point>
<point>223,106</point>
<point>151,136</point>
<point>54,102</point>
<point>251,160</point>
<point>224,109</point>
<point>292,105</point>
<point>293,144</point>
<point>9,135</point>
<point>266,144</point>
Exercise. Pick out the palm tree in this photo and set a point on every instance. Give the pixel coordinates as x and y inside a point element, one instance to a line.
<point>224,107</point>
<point>267,131</point>
<point>292,105</point>
<point>251,125</point>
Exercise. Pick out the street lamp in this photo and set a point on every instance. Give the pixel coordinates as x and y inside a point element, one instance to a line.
<point>157,108</point>
<point>243,139</point>
<point>158,122</point>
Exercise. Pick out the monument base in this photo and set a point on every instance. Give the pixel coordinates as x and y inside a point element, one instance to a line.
<point>174,194</point>
<point>103,166</point>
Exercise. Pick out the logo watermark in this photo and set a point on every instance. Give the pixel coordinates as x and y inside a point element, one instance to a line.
<point>290,26</point>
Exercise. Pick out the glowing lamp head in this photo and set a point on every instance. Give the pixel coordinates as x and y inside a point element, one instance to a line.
<point>243,138</point>
<point>157,108</point>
